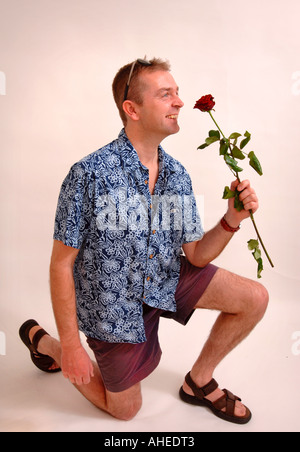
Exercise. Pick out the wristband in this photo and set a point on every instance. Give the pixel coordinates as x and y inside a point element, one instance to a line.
<point>226,226</point>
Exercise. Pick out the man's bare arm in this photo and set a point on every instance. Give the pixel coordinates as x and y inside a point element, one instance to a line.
<point>63,293</point>
<point>76,364</point>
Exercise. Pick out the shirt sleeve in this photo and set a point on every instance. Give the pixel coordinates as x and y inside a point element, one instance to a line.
<point>74,208</point>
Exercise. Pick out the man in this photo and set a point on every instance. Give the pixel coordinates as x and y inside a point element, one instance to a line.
<point>117,262</point>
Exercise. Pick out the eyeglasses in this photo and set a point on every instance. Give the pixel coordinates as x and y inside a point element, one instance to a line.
<point>139,61</point>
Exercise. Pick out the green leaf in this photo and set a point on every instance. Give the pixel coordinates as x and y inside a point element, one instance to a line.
<point>223,147</point>
<point>203,146</point>
<point>260,267</point>
<point>232,163</point>
<point>253,245</point>
<point>227,194</point>
<point>238,204</point>
<point>245,140</point>
<point>211,140</point>
<point>257,254</point>
<point>234,135</point>
<point>254,162</point>
<point>214,133</point>
<point>237,153</point>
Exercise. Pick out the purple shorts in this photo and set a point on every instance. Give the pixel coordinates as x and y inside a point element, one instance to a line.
<point>123,365</point>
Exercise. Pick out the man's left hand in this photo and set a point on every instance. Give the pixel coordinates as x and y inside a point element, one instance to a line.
<point>249,200</point>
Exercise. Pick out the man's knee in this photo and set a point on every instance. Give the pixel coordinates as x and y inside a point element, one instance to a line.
<point>128,411</point>
<point>126,404</point>
<point>264,299</point>
<point>260,300</point>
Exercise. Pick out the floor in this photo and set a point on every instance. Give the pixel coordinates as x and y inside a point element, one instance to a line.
<point>263,371</point>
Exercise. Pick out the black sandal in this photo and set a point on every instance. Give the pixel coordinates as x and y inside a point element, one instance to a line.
<point>43,362</point>
<point>227,400</point>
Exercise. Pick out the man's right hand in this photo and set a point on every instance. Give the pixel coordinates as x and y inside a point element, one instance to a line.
<point>77,366</point>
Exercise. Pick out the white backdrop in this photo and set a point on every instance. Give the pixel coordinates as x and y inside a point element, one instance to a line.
<point>57,62</point>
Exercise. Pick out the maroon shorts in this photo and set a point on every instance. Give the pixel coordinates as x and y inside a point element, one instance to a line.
<point>123,365</point>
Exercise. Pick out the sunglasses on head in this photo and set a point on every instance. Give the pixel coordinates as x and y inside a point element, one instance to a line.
<point>138,61</point>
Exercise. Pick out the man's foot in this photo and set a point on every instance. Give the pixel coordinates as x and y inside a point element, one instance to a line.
<point>221,402</point>
<point>41,345</point>
<point>31,334</point>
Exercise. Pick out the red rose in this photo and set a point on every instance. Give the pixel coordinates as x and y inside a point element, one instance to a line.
<point>206,103</point>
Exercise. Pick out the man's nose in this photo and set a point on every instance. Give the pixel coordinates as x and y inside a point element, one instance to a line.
<point>178,102</point>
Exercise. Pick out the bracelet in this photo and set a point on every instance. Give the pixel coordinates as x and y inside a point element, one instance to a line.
<point>226,226</point>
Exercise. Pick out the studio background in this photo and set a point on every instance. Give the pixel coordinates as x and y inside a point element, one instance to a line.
<point>57,62</point>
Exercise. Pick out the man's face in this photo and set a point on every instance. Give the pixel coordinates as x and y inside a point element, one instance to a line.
<point>159,111</point>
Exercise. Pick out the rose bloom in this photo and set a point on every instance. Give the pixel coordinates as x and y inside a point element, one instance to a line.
<point>205,103</point>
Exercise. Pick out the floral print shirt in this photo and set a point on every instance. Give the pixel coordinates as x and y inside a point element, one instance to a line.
<point>129,241</point>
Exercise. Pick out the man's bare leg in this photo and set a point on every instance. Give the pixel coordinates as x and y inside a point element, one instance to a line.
<point>122,405</point>
<point>242,303</point>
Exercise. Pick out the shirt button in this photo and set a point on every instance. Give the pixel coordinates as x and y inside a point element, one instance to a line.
<point>148,278</point>
<point>151,256</point>
<point>146,181</point>
<point>154,231</point>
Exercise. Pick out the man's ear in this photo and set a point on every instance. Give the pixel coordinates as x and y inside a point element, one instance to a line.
<point>131,110</point>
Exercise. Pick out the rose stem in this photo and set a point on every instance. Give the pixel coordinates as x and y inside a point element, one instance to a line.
<point>251,213</point>
<point>217,125</point>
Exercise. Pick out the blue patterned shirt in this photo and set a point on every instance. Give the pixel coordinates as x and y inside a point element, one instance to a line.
<point>129,241</point>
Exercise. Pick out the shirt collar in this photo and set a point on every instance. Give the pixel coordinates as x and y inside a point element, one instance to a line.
<point>131,158</point>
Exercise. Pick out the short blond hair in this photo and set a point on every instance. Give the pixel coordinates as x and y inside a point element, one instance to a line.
<point>135,89</point>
